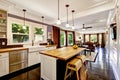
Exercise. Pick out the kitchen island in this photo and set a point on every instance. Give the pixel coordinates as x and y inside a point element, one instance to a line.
<point>53,62</point>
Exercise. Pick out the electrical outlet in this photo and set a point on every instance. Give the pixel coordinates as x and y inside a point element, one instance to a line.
<point>3,43</point>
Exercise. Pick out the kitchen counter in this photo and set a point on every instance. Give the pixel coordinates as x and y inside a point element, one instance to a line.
<point>12,49</point>
<point>62,53</point>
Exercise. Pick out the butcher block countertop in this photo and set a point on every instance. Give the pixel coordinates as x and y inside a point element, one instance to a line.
<point>12,49</point>
<point>64,53</point>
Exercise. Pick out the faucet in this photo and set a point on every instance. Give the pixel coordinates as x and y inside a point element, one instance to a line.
<point>32,42</point>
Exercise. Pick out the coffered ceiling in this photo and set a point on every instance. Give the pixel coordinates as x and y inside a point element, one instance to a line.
<point>86,11</point>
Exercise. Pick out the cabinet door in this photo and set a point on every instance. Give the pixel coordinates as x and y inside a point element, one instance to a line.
<point>4,64</point>
<point>18,56</point>
<point>33,58</point>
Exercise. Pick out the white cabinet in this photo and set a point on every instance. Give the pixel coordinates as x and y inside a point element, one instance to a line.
<point>48,67</point>
<point>34,55</point>
<point>33,58</point>
<point>4,63</point>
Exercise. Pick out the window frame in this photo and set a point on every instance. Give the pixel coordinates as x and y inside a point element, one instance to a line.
<point>93,35</point>
<point>17,22</point>
<point>68,38</point>
<point>39,34</point>
<point>64,38</point>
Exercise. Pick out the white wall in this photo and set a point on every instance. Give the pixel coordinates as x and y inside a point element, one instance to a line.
<point>77,35</point>
<point>114,45</point>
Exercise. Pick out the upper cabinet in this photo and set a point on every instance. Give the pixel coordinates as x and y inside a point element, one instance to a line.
<point>3,24</point>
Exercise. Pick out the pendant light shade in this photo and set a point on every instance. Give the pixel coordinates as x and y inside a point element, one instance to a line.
<point>58,21</point>
<point>24,10</point>
<point>67,25</point>
<point>73,27</point>
<point>42,22</point>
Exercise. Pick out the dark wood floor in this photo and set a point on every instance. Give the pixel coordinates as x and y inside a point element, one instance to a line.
<point>100,69</point>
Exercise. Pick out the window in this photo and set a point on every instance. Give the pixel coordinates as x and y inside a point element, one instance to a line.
<point>86,38</point>
<point>100,38</point>
<point>62,38</point>
<point>38,34</point>
<point>20,33</point>
<point>93,38</point>
<point>70,38</point>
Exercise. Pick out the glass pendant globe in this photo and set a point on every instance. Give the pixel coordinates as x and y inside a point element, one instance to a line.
<point>58,22</point>
<point>73,27</point>
<point>67,25</point>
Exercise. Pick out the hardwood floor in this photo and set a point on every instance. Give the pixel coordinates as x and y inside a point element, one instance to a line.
<point>100,69</point>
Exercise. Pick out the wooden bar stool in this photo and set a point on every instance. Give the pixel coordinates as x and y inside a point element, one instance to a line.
<point>83,71</point>
<point>82,58</point>
<point>74,65</point>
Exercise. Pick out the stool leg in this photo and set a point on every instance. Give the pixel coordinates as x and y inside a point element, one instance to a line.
<point>66,74</point>
<point>77,74</point>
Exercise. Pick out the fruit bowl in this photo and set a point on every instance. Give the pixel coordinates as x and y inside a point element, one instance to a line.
<point>75,46</point>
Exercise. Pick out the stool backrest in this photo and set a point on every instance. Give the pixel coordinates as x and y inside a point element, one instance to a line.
<point>76,62</point>
<point>82,58</point>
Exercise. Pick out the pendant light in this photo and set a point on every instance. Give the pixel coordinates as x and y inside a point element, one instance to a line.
<point>24,27</point>
<point>67,25</point>
<point>73,27</point>
<point>42,22</point>
<point>58,21</point>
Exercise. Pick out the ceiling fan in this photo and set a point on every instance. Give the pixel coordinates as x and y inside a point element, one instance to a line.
<point>84,28</point>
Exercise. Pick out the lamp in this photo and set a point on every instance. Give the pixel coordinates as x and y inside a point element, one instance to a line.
<point>24,27</point>
<point>67,25</point>
<point>42,22</point>
<point>58,21</point>
<point>73,19</point>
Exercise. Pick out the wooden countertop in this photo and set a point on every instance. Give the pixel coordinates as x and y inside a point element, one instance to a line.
<point>12,49</point>
<point>64,53</point>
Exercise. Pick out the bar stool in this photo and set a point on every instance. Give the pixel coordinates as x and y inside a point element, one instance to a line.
<point>74,65</point>
<point>83,71</point>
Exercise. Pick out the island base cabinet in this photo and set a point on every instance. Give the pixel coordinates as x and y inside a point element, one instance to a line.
<point>48,67</point>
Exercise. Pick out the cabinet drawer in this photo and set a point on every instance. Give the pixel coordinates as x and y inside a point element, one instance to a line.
<point>15,67</point>
<point>17,56</point>
<point>3,55</point>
